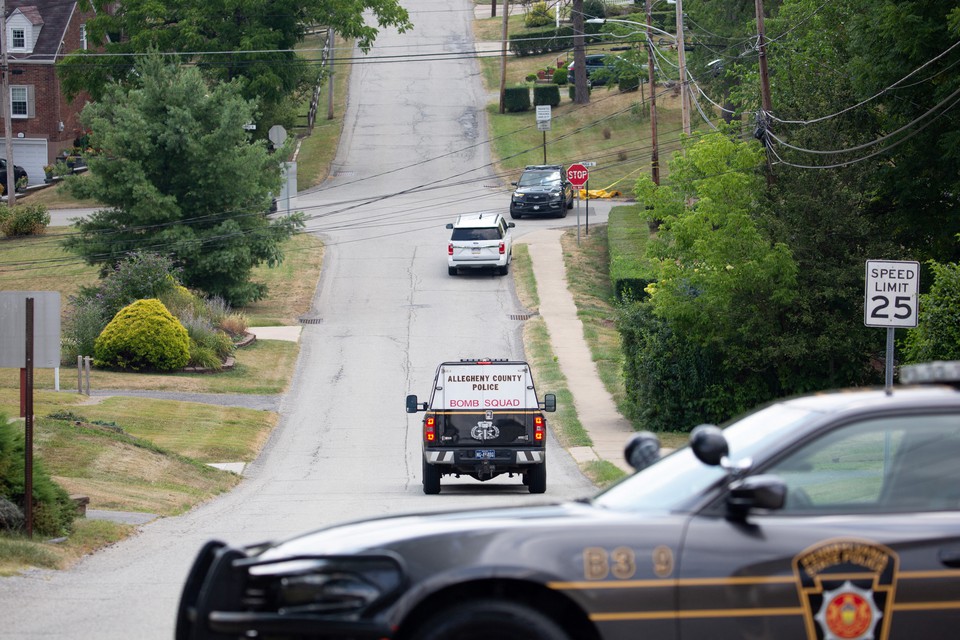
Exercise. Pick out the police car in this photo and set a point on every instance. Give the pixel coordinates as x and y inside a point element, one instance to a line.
<point>824,517</point>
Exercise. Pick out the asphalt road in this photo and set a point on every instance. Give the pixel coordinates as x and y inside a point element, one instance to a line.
<point>414,154</point>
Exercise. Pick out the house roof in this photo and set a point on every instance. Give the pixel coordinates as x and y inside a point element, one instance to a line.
<point>54,16</point>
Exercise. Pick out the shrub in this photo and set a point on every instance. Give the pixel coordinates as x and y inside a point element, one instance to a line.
<point>143,335</point>
<point>140,275</point>
<point>531,77</point>
<point>24,220</point>
<point>234,324</point>
<point>937,335</point>
<point>53,511</point>
<point>516,99</point>
<point>203,333</point>
<point>85,319</point>
<point>11,516</point>
<point>546,94</point>
<point>538,15</point>
<point>560,76</point>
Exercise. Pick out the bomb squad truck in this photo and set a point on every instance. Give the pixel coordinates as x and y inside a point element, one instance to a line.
<point>483,419</point>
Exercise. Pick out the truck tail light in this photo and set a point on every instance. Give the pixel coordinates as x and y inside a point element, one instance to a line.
<point>430,429</point>
<point>503,248</point>
<point>450,249</point>
<point>539,428</point>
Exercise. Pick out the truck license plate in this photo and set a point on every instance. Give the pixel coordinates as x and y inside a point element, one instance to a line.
<point>485,454</point>
<point>475,251</point>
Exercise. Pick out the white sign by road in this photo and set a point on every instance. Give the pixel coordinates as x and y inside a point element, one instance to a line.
<point>891,293</point>
<point>543,112</point>
<point>543,125</point>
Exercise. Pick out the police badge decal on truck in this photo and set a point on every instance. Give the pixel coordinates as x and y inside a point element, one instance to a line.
<point>483,419</point>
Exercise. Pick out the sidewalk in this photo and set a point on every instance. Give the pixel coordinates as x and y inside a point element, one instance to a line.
<point>595,407</point>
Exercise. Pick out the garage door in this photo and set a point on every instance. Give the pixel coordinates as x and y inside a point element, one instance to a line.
<point>31,154</point>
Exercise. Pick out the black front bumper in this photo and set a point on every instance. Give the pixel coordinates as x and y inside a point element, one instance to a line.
<point>537,208</point>
<point>212,606</point>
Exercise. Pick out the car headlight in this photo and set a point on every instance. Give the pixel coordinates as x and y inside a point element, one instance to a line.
<point>327,586</point>
<point>518,197</point>
<point>326,593</point>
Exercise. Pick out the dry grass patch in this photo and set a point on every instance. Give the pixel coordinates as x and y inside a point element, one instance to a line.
<point>291,284</point>
<point>120,471</point>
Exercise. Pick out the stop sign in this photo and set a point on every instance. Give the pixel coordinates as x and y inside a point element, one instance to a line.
<point>577,175</point>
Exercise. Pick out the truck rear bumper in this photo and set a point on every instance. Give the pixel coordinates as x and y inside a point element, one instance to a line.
<point>473,457</point>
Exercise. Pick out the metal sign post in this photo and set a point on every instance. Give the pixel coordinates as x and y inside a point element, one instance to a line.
<point>544,116</point>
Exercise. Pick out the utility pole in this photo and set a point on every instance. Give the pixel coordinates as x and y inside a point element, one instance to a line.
<point>681,60</point>
<point>763,121</point>
<point>503,56</point>
<point>652,76</point>
<point>331,36</point>
<point>581,94</point>
<point>11,187</point>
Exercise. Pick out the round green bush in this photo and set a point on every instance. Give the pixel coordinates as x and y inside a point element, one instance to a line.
<point>143,335</point>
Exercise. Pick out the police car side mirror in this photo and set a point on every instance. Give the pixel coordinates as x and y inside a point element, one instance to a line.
<point>515,184</point>
<point>549,403</point>
<point>642,450</point>
<point>413,406</point>
<point>756,492</point>
<point>449,225</point>
<point>709,444</point>
<point>511,224</point>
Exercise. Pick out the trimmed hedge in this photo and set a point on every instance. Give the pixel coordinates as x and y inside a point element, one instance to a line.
<point>516,99</point>
<point>627,235</point>
<point>546,94</point>
<point>572,91</point>
<point>143,335</point>
<point>534,42</point>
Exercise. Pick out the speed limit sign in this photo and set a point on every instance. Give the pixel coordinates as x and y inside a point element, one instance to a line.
<point>891,293</point>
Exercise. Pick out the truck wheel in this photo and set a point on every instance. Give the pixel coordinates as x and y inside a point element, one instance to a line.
<point>431,479</point>
<point>451,271</point>
<point>484,619</point>
<point>537,478</point>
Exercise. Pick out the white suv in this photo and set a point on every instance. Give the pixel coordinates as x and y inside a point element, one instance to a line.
<point>480,240</point>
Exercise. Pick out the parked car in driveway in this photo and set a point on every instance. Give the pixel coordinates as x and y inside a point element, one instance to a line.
<point>822,517</point>
<point>19,176</point>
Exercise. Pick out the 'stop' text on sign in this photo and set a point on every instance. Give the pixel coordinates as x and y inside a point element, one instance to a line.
<point>891,293</point>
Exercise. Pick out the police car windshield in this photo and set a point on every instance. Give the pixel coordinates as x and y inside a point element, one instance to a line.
<point>539,179</point>
<point>672,483</point>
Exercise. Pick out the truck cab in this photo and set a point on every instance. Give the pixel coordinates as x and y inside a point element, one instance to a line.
<point>484,419</point>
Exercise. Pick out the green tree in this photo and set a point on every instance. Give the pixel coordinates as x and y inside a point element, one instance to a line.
<point>250,40</point>
<point>179,175</point>
<point>706,342</point>
<point>937,335</point>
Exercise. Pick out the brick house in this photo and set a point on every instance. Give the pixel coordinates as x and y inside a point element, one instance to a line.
<point>44,122</point>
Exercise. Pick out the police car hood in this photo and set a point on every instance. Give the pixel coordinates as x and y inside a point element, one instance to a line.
<point>399,532</point>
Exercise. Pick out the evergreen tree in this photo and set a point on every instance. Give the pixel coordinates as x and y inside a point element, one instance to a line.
<point>179,176</point>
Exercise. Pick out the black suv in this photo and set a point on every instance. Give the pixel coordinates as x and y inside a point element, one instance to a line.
<point>18,174</point>
<point>542,190</point>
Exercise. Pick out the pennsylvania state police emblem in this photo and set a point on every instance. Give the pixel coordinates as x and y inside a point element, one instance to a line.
<point>846,589</point>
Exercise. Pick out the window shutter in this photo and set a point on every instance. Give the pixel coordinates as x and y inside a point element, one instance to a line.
<point>31,102</point>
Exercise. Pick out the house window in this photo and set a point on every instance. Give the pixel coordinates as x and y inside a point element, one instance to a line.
<point>83,37</point>
<point>19,107</point>
<point>18,39</point>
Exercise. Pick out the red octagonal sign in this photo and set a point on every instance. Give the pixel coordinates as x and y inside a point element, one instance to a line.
<point>577,175</point>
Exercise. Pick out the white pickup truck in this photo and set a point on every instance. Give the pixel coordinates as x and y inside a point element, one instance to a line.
<point>483,419</point>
